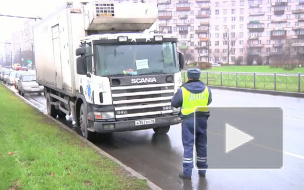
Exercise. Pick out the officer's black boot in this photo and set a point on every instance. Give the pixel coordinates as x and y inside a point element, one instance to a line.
<point>181,175</point>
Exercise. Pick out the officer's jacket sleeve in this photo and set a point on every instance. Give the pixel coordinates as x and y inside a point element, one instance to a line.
<point>210,96</point>
<point>177,99</point>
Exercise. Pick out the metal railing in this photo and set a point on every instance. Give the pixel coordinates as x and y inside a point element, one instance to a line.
<point>264,81</point>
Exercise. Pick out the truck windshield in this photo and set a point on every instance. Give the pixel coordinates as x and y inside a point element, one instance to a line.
<point>136,59</point>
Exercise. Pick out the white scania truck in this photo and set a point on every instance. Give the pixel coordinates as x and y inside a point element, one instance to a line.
<point>100,63</point>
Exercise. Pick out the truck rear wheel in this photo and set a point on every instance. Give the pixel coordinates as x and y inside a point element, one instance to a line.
<point>51,110</point>
<point>83,122</point>
<point>161,130</point>
<point>61,114</point>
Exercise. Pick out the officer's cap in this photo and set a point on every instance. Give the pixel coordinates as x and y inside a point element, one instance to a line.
<point>194,73</point>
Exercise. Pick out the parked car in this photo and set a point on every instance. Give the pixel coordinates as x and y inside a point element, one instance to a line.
<point>27,84</point>
<point>6,75</point>
<point>17,77</point>
<point>24,69</point>
<point>11,78</point>
<point>1,74</point>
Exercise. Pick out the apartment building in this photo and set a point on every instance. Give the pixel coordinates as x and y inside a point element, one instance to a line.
<point>275,28</point>
<point>190,21</point>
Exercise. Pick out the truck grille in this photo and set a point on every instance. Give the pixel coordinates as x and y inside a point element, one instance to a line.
<point>142,101</point>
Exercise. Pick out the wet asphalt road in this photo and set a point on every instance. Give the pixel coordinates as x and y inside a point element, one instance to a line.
<point>159,158</point>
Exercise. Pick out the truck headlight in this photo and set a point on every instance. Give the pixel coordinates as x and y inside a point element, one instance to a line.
<point>103,115</point>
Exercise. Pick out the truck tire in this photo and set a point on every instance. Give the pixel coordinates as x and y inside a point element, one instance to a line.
<point>161,130</point>
<point>61,114</point>
<point>83,122</point>
<point>51,110</point>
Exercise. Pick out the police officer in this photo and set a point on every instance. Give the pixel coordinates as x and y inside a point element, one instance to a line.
<point>192,94</point>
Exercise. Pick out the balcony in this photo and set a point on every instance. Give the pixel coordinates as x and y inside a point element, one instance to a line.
<point>183,31</point>
<point>183,16</point>
<point>256,13</point>
<point>279,10</point>
<point>279,4</point>
<point>278,45</point>
<point>204,39</point>
<point>298,11</point>
<point>185,8</point>
<point>165,17</point>
<point>204,23</point>
<point>203,55</point>
<point>258,27</point>
<point>202,16</point>
<point>279,20</point>
<point>183,47</point>
<point>301,19</point>
<point>202,31</point>
<point>255,5</point>
<point>165,29</point>
<point>297,44</point>
<point>278,34</point>
<point>202,47</point>
<point>254,53</point>
<point>202,0</point>
<point>183,24</point>
<point>301,2</point>
<point>164,2</point>
<point>205,8</point>
<point>256,45</point>
<point>253,38</point>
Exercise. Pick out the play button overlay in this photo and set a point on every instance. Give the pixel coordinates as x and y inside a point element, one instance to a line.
<point>244,138</point>
<point>235,138</point>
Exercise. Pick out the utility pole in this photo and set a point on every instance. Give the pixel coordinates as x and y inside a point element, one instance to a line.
<point>32,55</point>
<point>20,58</point>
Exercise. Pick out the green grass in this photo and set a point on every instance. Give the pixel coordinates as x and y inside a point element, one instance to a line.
<point>35,153</point>
<point>287,83</point>
<point>260,69</point>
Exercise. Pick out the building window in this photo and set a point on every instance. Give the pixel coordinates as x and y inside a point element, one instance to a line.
<point>233,19</point>
<point>225,35</point>
<point>241,19</point>
<point>225,51</point>
<point>269,9</point>
<point>296,24</point>
<point>225,11</point>
<point>217,43</point>
<point>217,35</point>
<point>217,51</point>
<point>241,42</point>
<point>217,12</point>
<point>233,43</point>
<point>217,4</point>
<point>225,43</point>
<point>232,34</point>
<point>192,28</point>
<point>268,41</point>
<point>217,59</point>
<point>241,35</point>
<point>241,10</point>
<point>217,27</point>
<point>241,26</point>
<point>225,19</point>
<point>269,17</point>
<point>232,11</point>
<point>233,3</point>
<point>288,16</point>
<point>233,59</point>
<point>241,50</point>
<point>242,2</point>
<point>232,27</point>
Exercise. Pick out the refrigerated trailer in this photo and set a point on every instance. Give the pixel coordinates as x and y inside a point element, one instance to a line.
<point>104,64</point>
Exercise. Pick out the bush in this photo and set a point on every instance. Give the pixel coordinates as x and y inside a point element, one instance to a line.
<point>250,59</point>
<point>200,65</point>
<point>259,60</point>
<point>239,60</point>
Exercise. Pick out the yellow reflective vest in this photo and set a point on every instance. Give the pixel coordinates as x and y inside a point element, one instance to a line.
<point>191,101</point>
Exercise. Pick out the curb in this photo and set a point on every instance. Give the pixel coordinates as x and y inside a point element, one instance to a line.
<point>129,170</point>
<point>270,92</point>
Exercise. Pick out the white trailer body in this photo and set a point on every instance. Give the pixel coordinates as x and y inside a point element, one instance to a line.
<point>101,63</point>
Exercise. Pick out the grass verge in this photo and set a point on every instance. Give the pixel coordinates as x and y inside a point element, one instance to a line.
<point>35,153</point>
<point>254,68</point>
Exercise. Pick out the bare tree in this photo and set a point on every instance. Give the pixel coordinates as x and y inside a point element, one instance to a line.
<point>230,42</point>
<point>188,56</point>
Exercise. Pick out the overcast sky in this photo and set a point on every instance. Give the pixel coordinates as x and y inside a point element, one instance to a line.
<point>27,8</point>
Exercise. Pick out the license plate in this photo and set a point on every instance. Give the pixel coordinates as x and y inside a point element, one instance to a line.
<point>145,122</point>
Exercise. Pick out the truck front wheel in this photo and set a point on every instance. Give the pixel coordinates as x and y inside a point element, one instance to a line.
<point>51,110</point>
<point>83,122</point>
<point>161,130</point>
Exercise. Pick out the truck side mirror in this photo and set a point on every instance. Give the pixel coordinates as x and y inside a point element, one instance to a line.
<point>81,66</point>
<point>80,51</point>
<point>181,60</point>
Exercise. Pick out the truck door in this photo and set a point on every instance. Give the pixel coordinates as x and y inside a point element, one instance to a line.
<point>57,55</point>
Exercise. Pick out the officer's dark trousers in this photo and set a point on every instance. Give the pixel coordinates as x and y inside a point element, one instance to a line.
<point>200,143</point>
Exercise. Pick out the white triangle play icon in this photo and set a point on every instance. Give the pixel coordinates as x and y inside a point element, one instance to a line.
<point>235,138</point>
